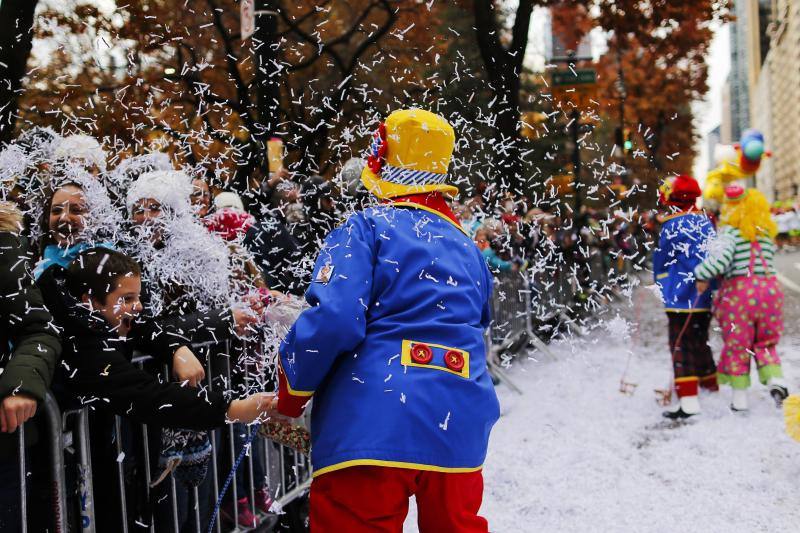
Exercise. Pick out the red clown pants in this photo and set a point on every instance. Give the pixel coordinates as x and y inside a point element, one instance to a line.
<point>375,499</point>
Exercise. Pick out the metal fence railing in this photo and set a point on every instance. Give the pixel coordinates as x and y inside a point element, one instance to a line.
<point>286,472</point>
<point>534,306</point>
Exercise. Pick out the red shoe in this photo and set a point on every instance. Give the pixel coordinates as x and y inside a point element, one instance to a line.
<point>245,517</point>
<point>263,500</point>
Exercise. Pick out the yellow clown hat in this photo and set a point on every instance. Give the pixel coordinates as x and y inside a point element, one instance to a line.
<point>410,154</point>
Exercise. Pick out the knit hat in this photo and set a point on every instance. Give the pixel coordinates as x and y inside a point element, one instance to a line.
<point>679,191</point>
<point>410,154</point>
<point>228,199</point>
<point>229,223</point>
<point>171,188</point>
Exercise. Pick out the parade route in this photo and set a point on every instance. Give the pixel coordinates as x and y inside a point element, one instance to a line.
<point>788,265</point>
<point>575,454</point>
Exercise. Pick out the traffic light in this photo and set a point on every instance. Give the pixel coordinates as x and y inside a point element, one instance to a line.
<point>628,144</point>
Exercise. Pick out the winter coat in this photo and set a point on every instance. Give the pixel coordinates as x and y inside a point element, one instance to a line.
<point>682,245</point>
<point>278,254</point>
<point>392,347</point>
<point>97,370</point>
<point>29,344</point>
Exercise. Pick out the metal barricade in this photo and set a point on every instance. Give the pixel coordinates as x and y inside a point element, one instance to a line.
<point>56,440</point>
<point>555,298</point>
<point>287,473</point>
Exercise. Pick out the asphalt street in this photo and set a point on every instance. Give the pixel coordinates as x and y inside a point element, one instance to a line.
<point>788,264</point>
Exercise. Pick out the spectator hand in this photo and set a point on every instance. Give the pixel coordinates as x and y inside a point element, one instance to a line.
<point>702,286</point>
<point>186,367</point>
<point>16,410</point>
<point>242,318</point>
<point>278,177</point>
<point>257,406</point>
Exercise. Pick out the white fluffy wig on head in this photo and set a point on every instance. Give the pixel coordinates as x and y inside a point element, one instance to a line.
<point>80,148</point>
<point>170,188</point>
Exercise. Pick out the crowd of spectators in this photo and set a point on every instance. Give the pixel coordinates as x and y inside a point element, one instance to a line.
<point>100,263</point>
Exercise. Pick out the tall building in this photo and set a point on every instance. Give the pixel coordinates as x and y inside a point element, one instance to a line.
<point>783,59</point>
<point>761,107</point>
<point>739,75</point>
<point>726,126</point>
<point>713,139</point>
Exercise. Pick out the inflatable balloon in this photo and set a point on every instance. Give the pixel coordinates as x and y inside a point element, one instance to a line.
<point>734,162</point>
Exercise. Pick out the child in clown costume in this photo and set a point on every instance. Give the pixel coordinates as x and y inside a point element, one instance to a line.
<point>681,247</point>
<point>749,303</point>
<point>392,349</point>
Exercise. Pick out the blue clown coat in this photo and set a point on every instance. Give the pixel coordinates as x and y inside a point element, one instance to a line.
<point>392,348</point>
<point>682,245</point>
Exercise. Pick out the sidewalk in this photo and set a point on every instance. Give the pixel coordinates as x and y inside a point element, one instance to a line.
<point>574,454</point>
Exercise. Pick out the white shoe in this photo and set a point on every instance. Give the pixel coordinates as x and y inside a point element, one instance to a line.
<point>739,400</point>
<point>690,405</point>
<point>687,406</point>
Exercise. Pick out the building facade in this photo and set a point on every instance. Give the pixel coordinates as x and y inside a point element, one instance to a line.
<point>784,72</point>
<point>739,76</point>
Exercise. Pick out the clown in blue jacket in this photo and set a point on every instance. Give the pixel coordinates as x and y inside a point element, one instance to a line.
<point>683,241</point>
<point>392,349</point>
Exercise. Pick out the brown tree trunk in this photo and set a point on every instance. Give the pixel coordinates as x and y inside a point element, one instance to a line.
<point>16,39</point>
<point>504,68</point>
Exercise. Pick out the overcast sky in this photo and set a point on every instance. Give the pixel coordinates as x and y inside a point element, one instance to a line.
<point>708,113</point>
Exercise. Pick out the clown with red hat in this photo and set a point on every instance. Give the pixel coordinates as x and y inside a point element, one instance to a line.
<point>682,245</point>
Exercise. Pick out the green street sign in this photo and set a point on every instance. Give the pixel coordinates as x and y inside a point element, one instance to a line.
<point>581,76</point>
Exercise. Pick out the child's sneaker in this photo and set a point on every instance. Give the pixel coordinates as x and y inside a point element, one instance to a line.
<point>263,500</point>
<point>245,517</point>
<point>778,390</point>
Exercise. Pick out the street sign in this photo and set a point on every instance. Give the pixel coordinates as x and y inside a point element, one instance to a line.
<point>247,18</point>
<point>581,76</point>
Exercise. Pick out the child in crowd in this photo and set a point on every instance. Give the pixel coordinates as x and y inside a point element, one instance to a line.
<point>681,247</point>
<point>99,300</point>
<point>749,304</point>
<point>484,238</point>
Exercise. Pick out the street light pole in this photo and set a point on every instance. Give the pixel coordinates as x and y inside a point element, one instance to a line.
<point>265,52</point>
<point>575,117</point>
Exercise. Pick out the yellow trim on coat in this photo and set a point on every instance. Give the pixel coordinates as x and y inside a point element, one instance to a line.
<point>662,276</point>
<point>394,464</point>
<point>289,389</point>
<point>689,378</point>
<point>431,210</point>
<point>694,310</point>
<point>405,358</point>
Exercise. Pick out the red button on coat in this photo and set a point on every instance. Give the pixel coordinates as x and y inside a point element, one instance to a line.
<point>421,353</point>
<point>454,360</point>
